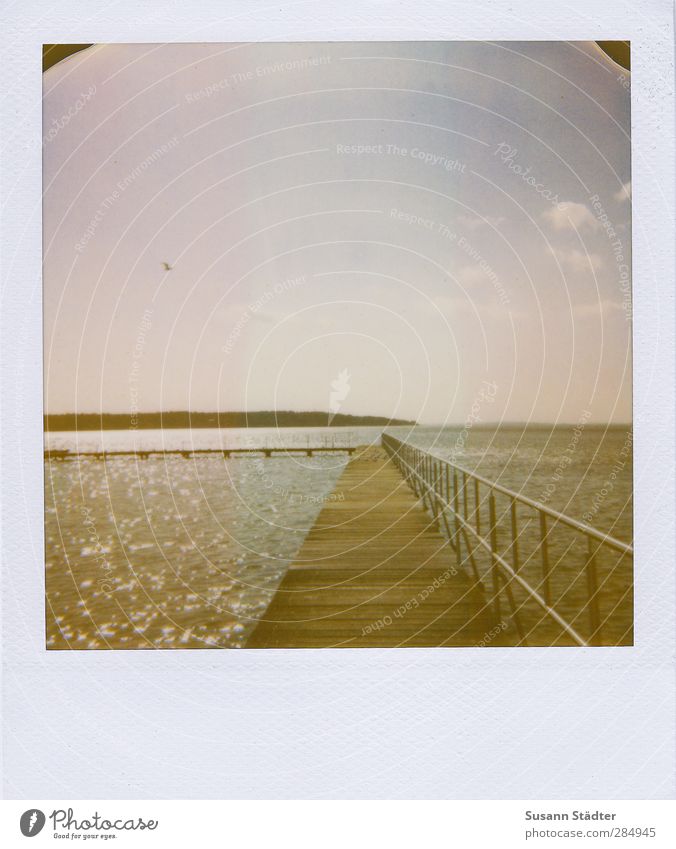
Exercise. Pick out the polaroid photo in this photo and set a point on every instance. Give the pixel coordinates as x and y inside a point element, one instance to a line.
<point>338,427</point>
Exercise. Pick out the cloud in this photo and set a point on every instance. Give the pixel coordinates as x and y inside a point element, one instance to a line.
<point>624,193</point>
<point>577,260</point>
<point>571,216</point>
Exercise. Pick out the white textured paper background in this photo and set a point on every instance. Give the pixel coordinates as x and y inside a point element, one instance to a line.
<point>433,723</point>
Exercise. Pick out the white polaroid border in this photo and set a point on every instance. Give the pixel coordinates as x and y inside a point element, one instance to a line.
<point>403,723</point>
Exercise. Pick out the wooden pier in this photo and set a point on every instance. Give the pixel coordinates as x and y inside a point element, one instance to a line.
<point>415,550</point>
<point>227,453</point>
<point>374,571</point>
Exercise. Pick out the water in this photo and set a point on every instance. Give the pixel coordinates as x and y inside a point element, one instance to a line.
<point>170,552</point>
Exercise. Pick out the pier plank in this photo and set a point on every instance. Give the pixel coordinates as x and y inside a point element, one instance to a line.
<point>374,571</point>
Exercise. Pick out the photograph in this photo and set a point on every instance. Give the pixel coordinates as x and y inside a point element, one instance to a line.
<point>337,345</point>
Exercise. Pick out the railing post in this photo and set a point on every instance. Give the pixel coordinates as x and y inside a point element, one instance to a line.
<point>456,519</point>
<point>430,485</point>
<point>477,507</point>
<point>494,549</point>
<point>414,473</point>
<point>464,495</point>
<point>440,491</point>
<point>427,476</point>
<point>544,553</point>
<point>515,535</point>
<point>447,499</point>
<point>443,495</point>
<point>592,592</point>
<point>425,466</point>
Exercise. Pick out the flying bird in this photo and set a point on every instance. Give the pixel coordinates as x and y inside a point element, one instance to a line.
<point>166,266</point>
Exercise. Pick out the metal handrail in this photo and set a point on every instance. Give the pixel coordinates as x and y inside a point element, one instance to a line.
<point>606,539</point>
<point>430,477</point>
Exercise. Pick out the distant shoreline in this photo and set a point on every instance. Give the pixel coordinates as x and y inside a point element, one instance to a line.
<point>185,419</point>
<point>55,422</point>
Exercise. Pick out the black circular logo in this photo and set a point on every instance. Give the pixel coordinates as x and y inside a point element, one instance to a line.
<point>31,822</point>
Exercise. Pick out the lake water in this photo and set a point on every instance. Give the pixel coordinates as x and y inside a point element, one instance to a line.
<point>175,552</point>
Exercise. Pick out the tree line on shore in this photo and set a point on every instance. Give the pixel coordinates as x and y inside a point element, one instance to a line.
<point>187,419</point>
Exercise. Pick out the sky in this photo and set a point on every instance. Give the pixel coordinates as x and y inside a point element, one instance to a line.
<point>430,231</point>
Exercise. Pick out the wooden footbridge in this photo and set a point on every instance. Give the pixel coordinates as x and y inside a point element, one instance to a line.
<point>329,444</point>
<point>417,551</point>
<point>187,453</point>
<point>414,550</point>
